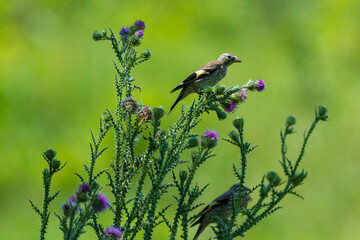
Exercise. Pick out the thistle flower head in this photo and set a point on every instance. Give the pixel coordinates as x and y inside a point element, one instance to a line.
<point>260,85</point>
<point>112,233</point>
<point>242,94</point>
<point>124,31</point>
<point>101,203</point>
<point>139,33</point>
<point>209,140</point>
<point>84,188</point>
<point>129,104</point>
<point>81,194</point>
<point>212,134</point>
<point>72,200</point>
<point>229,106</point>
<point>139,24</point>
<point>69,206</point>
<point>145,114</point>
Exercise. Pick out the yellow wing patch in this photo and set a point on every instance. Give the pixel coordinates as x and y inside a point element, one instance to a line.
<point>200,73</point>
<point>211,206</point>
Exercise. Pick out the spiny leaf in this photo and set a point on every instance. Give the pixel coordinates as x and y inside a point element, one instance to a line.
<point>35,208</point>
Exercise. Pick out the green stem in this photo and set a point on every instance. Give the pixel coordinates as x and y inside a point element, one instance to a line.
<point>302,152</point>
<point>45,215</point>
<point>72,217</point>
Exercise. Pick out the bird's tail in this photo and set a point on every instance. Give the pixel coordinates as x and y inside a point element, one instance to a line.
<point>177,88</point>
<point>199,231</point>
<point>179,98</point>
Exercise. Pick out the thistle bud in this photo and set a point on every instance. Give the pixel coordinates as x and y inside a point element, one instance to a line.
<point>232,89</point>
<point>49,154</point>
<point>246,145</point>
<point>207,90</point>
<point>273,178</point>
<point>220,114</point>
<point>134,40</point>
<point>219,89</point>
<point>322,110</point>
<point>146,54</point>
<point>97,36</point>
<point>289,130</point>
<point>239,123</point>
<point>290,121</point>
<point>321,114</point>
<point>193,142</point>
<point>251,85</point>
<point>265,189</point>
<point>56,164</point>
<point>298,178</point>
<point>234,136</point>
<point>158,113</point>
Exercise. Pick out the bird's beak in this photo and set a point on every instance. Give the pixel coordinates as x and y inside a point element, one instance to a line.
<point>237,60</point>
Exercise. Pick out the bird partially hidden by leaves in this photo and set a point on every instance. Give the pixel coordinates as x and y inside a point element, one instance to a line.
<point>220,207</point>
<point>207,76</point>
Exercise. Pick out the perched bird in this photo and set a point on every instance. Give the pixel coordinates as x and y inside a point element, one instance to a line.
<point>220,207</point>
<point>208,75</point>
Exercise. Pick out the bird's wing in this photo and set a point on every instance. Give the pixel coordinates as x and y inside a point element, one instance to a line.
<point>217,202</point>
<point>212,205</point>
<point>204,71</point>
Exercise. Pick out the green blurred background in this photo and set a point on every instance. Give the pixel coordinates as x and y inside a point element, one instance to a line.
<point>55,81</point>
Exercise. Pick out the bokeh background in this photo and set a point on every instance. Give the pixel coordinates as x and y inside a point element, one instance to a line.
<point>55,82</point>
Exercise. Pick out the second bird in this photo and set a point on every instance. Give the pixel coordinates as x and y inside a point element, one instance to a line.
<point>207,76</point>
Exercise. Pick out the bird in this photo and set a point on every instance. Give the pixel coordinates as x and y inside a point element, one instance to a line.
<point>220,207</point>
<point>207,76</point>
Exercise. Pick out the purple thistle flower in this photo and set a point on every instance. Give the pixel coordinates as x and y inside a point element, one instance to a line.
<point>124,31</point>
<point>113,233</point>
<point>84,188</point>
<point>139,33</point>
<point>229,108</point>
<point>260,85</point>
<point>70,205</point>
<point>72,200</point>
<point>140,24</point>
<point>212,134</point>
<point>101,203</point>
<point>243,93</point>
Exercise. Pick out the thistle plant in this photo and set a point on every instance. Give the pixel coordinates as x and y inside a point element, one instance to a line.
<point>138,181</point>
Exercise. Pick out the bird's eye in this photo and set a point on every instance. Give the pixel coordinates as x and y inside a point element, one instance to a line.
<point>228,56</point>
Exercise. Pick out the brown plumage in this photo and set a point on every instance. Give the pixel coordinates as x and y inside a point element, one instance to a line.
<point>208,75</point>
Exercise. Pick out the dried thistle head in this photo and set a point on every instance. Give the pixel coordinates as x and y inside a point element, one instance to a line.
<point>145,114</point>
<point>129,105</point>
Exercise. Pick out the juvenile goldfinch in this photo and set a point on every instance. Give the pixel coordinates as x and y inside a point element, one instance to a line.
<point>208,75</point>
<point>220,207</point>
